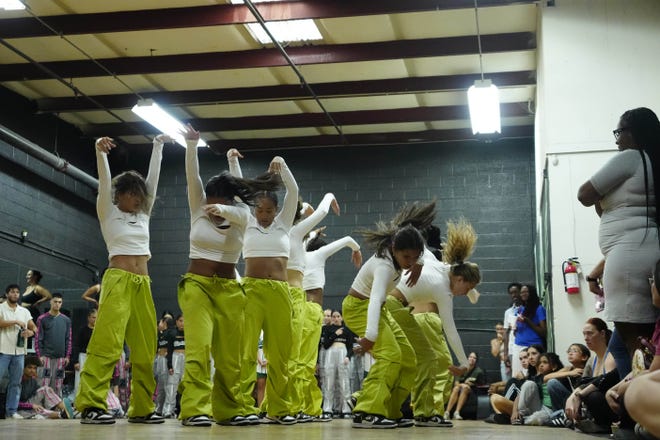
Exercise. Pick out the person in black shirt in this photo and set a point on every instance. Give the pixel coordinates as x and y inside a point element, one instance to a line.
<point>80,347</point>
<point>338,341</point>
<point>163,364</point>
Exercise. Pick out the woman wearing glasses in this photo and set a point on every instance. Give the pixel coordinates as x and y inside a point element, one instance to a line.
<point>623,192</point>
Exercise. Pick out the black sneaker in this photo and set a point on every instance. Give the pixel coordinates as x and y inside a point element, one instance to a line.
<point>325,417</point>
<point>235,421</point>
<point>558,421</point>
<point>200,420</point>
<point>405,423</point>
<point>253,419</point>
<point>351,402</point>
<point>372,421</point>
<point>433,421</point>
<point>96,416</point>
<point>149,419</point>
<point>282,420</point>
<point>304,418</point>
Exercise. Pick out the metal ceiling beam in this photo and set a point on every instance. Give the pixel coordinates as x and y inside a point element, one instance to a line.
<point>368,139</point>
<point>392,86</point>
<point>227,14</point>
<point>306,120</point>
<point>246,59</point>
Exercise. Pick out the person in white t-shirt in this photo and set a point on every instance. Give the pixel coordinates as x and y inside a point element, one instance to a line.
<point>509,323</point>
<point>16,326</point>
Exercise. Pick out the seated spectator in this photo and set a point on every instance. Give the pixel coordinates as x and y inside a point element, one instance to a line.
<point>597,337</point>
<point>502,386</point>
<point>533,405</point>
<point>503,404</point>
<point>643,404</point>
<point>592,396</point>
<point>561,382</point>
<point>640,394</point>
<point>39,401</point>
<point>463,386</point>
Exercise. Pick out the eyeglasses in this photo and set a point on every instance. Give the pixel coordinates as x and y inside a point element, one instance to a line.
<point>572,350</point>
<point>618,131</point>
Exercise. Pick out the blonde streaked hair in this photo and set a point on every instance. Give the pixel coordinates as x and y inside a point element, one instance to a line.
<point>461,239</point>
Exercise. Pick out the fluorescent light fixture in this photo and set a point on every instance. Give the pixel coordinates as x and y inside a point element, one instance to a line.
<point>11,5</point>
<point>284,31</point>
<point>151,112</point>
<point>484,103</point>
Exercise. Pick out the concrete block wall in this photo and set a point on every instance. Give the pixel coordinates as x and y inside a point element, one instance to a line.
<point>59,215</point>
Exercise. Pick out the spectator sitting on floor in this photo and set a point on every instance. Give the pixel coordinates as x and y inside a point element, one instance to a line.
<point>503,404</point>
<point>463,387</point>
<point>561,382</point>
<point>533,405</point>
<point>39,401</point>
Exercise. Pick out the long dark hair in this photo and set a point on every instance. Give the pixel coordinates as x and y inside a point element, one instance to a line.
<point>402,232</point>
<point>533,302</point>
<point>225,185</point>
<point>316,243</point>
<point>644,127</point>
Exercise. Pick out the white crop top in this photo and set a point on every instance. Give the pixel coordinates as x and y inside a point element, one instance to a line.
<point>302,228</point>
<point>315,262</point>
<point>273,241</point>
<point>375,279</point>
<point>433,286</point>
<point>220,242</point>
<point>125,233</point>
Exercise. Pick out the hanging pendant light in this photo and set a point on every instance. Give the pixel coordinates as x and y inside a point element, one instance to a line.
<point>483,97</point>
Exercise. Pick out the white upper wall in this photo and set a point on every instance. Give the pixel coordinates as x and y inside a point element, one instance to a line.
<point>596,59</point>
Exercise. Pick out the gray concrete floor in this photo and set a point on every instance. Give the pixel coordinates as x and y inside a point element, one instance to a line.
<point>337,429</point>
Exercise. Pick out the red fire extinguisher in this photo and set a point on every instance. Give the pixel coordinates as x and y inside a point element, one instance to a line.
<point>570,272</point>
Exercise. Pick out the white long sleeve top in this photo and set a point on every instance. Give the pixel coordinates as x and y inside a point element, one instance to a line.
<point>433,286</point>
<point>126,233</point>
<point>273,241</point>
<point>314,277</point>
<point>375,279</point>
<point>209,239</point>
<point>302,228</point>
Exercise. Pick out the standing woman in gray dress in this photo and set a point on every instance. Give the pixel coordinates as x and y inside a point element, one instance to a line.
<point>625,194</point>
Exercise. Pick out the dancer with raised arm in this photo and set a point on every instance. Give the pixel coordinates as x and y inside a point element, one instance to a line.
<point>126,309</point>
<point>266,251</point>
<point>210,296</point>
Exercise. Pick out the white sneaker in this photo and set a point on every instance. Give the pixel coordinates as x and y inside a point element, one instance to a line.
<point>447,415</point>
<point>16,416</point>
<point>457,416</point>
